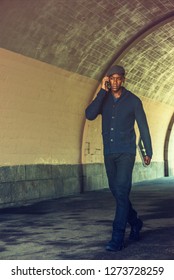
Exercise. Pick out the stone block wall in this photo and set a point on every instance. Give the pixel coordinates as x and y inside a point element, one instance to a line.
<point>20,185</point>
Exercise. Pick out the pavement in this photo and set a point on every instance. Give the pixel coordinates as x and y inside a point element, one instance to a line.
<point>78,227</point>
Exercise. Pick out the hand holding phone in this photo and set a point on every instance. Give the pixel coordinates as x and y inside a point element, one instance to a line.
<point>108,85</point>
<point>105,83</point>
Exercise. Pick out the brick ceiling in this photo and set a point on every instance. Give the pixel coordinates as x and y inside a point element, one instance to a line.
<point>86,37</point>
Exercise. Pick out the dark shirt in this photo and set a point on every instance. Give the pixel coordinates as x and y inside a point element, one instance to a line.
<point>118,120</point>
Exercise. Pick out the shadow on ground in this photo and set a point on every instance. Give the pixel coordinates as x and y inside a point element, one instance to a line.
<point>78,227</point>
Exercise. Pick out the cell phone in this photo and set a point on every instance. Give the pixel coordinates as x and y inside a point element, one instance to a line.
<point>107,84</point>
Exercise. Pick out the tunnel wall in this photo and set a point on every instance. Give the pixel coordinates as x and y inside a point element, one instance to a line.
<point>171,153</point>
<point>42,119</point>
<point>158,116</point>
<point>47,149</point>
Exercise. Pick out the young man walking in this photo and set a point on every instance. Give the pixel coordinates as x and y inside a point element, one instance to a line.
<point>120,109</point>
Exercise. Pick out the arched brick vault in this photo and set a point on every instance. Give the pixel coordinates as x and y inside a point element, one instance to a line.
<point>78,35</point>
<point>85,37</point>
<point>82,39</point>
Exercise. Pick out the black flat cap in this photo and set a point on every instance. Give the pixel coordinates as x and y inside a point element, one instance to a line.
<point>116,69</point>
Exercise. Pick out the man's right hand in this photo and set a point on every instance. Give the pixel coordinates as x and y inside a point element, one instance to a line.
<point>103,83</point>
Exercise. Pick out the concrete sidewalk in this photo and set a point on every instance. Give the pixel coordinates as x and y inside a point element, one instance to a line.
<point>78,227</point>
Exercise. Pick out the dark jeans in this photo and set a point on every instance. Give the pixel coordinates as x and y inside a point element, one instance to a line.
<point>119,169</point>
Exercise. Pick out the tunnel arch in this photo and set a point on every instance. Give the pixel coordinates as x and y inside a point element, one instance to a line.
<point>139,36</point>
<point>166,147</point>
<point>149,29</point>
<point>52,63</point>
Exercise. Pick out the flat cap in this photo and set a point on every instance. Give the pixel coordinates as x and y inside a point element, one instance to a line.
<point>116,69</point>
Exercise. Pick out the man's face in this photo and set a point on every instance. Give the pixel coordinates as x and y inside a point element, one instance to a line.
<point>116,82</point>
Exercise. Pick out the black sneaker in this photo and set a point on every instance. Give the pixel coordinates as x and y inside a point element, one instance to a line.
<point>114,246</point>
<point>135,231</point>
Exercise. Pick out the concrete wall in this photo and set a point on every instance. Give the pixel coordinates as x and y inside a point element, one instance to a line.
<point>42,111</point>
<point>158,115</point>
<point>29,183</point>
<point>171,153</point>
<point>42,119</point>
<point>47,148</point>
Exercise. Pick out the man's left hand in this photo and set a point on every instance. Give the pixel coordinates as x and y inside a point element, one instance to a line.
<point>147,160</point>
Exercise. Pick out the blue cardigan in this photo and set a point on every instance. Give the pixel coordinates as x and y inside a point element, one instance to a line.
<point>118,120</point>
